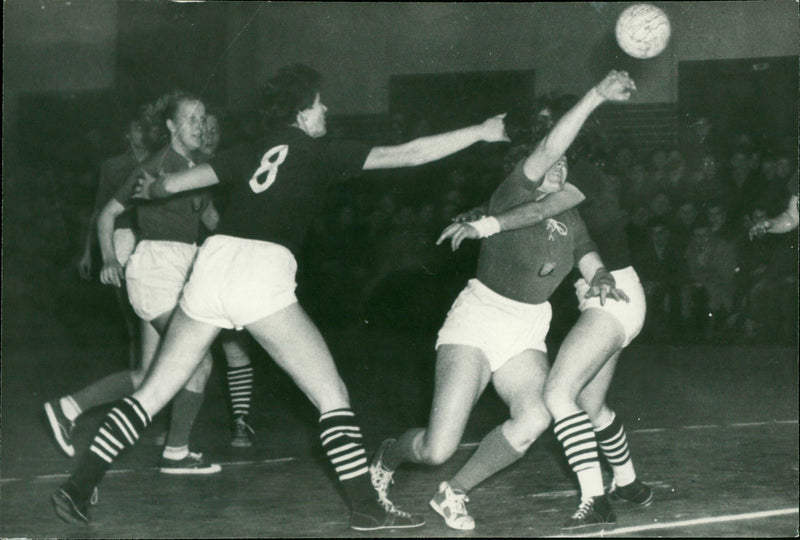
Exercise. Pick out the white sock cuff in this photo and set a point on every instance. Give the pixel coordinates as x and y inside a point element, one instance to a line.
<point>176,452</point>
<point>605,426</point>
<point>70,408</point>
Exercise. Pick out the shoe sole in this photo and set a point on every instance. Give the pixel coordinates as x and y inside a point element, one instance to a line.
<point>643,504</point>
<point>241,444</point>
<point>65,510</point>
<point>175,470</point>
<point>55,427</point>
<point>438,510</point>
<point>385,527</point>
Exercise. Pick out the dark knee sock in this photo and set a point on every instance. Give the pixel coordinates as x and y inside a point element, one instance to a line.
<point>343,446</point>
<point>614,445</point>
<point>493,454</point>
<point>108,389</point>
<point>402,451</point>
<point>185,407</point>
<point>119,431</point>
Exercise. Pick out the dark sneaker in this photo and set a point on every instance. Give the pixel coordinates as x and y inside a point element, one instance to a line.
<point>70,509</point>
<point>241,433</point>
<point>385,516</point>
<point>380,475</point>
<point>636,492</point>
<point>593,514</point>
<point>60,425</point>
<point>193,463</point>
<point>451,505</point>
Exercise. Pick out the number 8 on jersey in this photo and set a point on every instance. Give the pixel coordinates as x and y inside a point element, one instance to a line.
<point>265,175</point>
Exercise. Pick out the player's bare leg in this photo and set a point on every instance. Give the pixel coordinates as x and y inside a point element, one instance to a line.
<point>294,342</point>
<point>585,350</point>
<point>519,384</point>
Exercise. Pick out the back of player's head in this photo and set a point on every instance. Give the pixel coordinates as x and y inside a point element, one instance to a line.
<point>293,89</point>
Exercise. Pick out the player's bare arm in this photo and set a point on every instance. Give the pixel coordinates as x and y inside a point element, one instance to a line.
<point>601,282</point>
<point>518,217</point>
<point>617,86</point>
<point>427,149</point>
<point>782,223</point>
<point>150,187</point>
<point>112,272</point>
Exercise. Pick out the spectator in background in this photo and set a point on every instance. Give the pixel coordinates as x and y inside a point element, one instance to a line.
<point>674,179</point>
<point>683,225</point>
<point>656,263</point>
<point>657,165</point>
<point>636,229</point>
<point>637,184</point>
<point>717,216</point>
<point>708,286</point>
<point>740,186</point>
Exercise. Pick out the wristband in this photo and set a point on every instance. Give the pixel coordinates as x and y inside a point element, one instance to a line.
<point>486,226</point>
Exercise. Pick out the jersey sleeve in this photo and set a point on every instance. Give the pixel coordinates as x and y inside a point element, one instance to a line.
<point>344,159</point>
<point>127,189</point>
<point>583,243</point>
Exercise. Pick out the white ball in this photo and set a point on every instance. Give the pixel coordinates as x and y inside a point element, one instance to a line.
<point>643,30</point>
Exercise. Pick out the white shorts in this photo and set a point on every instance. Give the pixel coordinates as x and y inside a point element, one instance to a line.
<point>155,275</point>
<point>500,327</point>
<point>236,282</point>
<point>629,314</point>
<point>124,244</point>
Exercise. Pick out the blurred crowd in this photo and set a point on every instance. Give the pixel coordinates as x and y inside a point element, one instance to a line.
<point>372,257</point>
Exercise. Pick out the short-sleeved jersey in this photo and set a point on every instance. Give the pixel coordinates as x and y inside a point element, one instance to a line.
<point>174,219</point>
<point>517,264</point>
<point>113,173</point>
<point>279,184</point>
<point>601,213</point>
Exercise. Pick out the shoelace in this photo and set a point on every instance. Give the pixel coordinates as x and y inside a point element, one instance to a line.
<point>196,455</point>
<point>583,510</point>
<point>458,500</point>
<point>242,426</point>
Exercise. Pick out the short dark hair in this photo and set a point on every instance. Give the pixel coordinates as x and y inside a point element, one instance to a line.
<point>293,89</point>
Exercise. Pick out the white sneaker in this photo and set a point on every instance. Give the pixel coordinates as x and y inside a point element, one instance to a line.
<point>450,504</point>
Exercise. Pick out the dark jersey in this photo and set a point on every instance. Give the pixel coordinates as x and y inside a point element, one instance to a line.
<point>279,184</point>
<point>601,213</point>
<point>174,219</point>
<point>528,264</point>
<point>113,174</point>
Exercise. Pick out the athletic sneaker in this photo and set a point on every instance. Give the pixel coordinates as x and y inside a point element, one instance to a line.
<point>193,463</point>
<point>636,492</point>
<point>69,508</point>
<point>381,476</point>
<point>451,505</point>
<point>241,433</point>
<point>60,425</point>
<point>593,514</point>
<point>384,516</point>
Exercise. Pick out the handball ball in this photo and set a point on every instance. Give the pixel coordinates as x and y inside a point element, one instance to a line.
<point>643,30</point>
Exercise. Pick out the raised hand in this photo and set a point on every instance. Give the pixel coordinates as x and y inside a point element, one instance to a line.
<point>494,129</point>
<point>617,86</point>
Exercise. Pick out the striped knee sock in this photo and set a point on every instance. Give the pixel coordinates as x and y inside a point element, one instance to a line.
<point>614,444</point>
<point>576,435</point>
<point>119,431</point>
<point>240,388</point>
<point>342,443</point>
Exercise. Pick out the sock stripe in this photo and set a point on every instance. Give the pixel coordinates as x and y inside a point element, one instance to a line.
<point>344,448</point>
<point>336,412</point>
<point>354,474</point>
<point>139,410</point>
<point>350,456</point>
<point>100,454</point>
<point>121,424</point>
<point>109,437</point>
<point>107,447</point>
<point>344,430</point>
<point>576,435</point>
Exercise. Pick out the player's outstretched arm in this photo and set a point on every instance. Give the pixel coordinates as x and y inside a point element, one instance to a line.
<point>150,187</point>
<point>617,86</point>
<point>112,272</point>
<point>427,149</point>
<point>518,217</point>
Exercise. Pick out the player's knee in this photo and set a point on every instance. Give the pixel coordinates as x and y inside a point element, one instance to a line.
<point>137,377</point>
<point>436,454</point>
<point>557,399</point>
<point>523,430</point>
<point>198,380</point>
